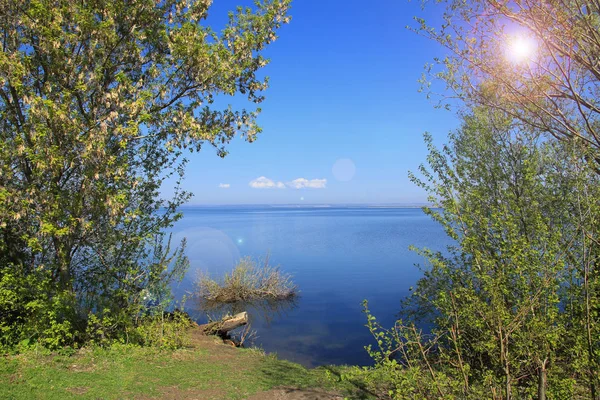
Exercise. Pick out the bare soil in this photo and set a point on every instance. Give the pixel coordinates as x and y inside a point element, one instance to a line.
<point>225,352</point>
<point>295,394</point>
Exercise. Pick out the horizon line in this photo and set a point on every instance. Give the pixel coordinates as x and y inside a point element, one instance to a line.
<point>415,204</point>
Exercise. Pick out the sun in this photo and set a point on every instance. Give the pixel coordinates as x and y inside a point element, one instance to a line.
<point>521,48</point>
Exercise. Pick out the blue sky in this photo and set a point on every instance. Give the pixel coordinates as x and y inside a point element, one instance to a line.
<point>343,86</point>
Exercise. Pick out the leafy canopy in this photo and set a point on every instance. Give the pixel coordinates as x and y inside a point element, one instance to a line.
<point>98,101</point>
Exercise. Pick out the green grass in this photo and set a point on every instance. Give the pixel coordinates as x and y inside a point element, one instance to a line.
<point>207,371</point>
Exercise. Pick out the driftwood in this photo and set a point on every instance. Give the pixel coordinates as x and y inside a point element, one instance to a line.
<point>221,328</point>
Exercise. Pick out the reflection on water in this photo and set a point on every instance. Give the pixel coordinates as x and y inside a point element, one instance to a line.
<point>263,311</point>
<point>337,257</point>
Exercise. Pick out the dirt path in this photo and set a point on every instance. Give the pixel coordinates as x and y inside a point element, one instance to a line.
<point>295,394</point>
<point>224,352</point>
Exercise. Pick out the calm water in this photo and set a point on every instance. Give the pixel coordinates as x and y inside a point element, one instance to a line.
<point>337,256</point>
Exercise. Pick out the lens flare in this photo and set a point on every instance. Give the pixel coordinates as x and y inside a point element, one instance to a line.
<point>344,169</point>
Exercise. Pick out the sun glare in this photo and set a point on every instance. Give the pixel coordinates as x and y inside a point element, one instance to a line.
<point>520,49</point>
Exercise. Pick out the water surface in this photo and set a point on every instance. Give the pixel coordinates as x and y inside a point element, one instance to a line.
<point>338,256</point>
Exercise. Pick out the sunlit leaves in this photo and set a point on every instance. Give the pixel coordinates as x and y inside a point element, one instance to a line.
<point>98,101</point>
<point>506,298</point>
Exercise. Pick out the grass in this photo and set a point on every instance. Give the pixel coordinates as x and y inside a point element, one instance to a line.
<point>246,283</point>
<point>206,370</point>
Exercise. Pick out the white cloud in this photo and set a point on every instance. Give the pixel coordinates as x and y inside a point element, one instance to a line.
<point>265,183</point>
<point>302,183</point>
<point>224,185</point>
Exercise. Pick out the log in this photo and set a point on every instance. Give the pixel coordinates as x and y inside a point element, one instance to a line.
<point>221,328</point>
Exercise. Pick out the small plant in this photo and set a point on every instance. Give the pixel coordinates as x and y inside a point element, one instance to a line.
<point>407,365</point>
<point>164,330</point>
<point>247,282</point>
<point>246,337</point>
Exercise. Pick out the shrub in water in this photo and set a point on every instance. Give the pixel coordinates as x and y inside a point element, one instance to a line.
<point>247,282</point>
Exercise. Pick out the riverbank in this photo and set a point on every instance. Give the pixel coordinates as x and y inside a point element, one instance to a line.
<point>206,369</point>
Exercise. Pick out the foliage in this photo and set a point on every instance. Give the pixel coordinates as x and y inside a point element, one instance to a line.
<point>553,89</point>
<point>403,365</point>
<point>497,291</point>
<point>158,329</point>
<point>548,237</point>
<point>581,294</point>
<point>29,316</point>
<point>246,283</point>
<point>166,331</point>
<point>98,101</point>
<point>513,300</point>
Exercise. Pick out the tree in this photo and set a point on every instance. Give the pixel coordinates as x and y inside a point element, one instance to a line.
<point>511,306</point>
<point>580,189</point>
<point>98,101</point>
<point>536,61</point>
<point>495,294</point>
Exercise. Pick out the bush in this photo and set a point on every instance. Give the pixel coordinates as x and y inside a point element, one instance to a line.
<point>33,311</point>
<point>169,330</point>
<point>159,329</point>
<point>247,282</point>
<point>406,366</point>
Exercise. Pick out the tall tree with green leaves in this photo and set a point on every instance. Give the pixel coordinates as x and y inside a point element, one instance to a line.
<point>537,62</point>
<point>579,188</point>
<point>495,295</point>
<point>98,102</point>
<point>512,303</point>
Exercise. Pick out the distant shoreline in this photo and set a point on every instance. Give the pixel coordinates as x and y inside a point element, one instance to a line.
<point>349,206</point>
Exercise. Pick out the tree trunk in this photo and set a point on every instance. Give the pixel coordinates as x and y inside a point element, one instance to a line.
<point>64,265</point>
<point>504,358</point>
<point>588,328</point>
<point>221,328</point>
<point>542,381</point>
